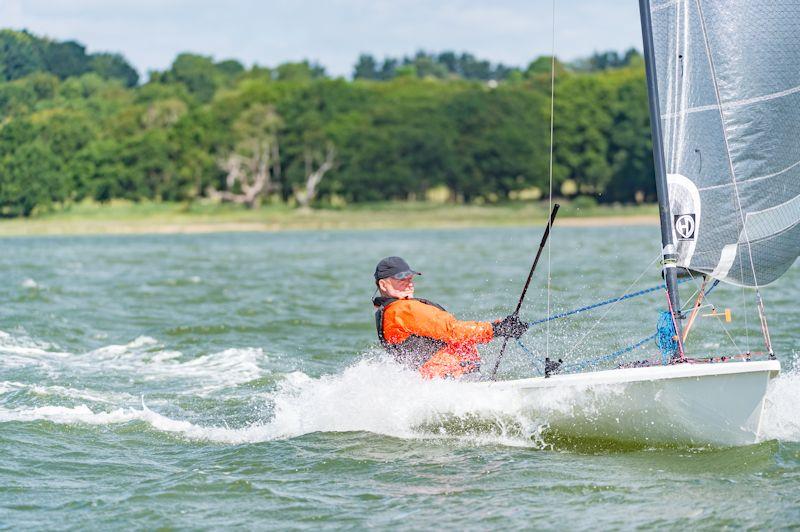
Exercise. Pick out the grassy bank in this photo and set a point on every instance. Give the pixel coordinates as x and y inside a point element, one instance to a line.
<point>128,218</point>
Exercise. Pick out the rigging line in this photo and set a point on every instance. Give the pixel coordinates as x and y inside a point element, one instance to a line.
<point>552,142</point>
<point>599,304</point>
<point>616,354</point>
<point>611,307</point>
<point>719,321</point>
<point>761,313</point>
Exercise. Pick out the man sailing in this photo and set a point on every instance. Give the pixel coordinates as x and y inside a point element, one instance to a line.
<point>421,334</point>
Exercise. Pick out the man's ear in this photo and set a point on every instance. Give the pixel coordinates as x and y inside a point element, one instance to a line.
<point>382,285</point>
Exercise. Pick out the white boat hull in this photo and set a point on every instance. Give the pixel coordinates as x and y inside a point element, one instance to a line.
<point>719,403</point>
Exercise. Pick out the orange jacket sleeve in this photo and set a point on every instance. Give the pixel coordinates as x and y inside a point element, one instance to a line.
<point>407,316</point>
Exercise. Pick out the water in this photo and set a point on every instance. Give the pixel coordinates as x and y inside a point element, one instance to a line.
<point>232,380</point>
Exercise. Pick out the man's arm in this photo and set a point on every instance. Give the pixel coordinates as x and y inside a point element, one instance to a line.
<point>415,317</point>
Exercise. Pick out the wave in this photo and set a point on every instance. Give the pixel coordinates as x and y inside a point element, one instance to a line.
<point>62,391</point>
<point>373,395</point>
<point>144,358</point>
<point>84,415</point>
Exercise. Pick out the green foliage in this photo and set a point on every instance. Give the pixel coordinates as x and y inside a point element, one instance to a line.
<point>31,179</point>
<point>75,126</point>
<point>22,54</point>
<point>114,66</point>
<point>428,65</point>
<point>302,71</point>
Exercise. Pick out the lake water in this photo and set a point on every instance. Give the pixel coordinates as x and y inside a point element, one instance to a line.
<point>232,380</point>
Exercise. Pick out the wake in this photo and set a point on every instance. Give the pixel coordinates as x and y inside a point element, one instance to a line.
<point>373,395</point>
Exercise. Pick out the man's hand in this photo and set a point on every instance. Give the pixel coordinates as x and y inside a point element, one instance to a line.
<point>509,327</point>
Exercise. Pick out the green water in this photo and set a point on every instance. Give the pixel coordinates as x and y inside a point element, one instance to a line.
<point>231,380</point>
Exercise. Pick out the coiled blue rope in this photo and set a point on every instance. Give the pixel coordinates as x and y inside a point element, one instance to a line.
<point>666,336</point>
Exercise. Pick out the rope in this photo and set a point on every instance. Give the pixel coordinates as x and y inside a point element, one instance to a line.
<point>665,336</point>
<point>592,361</point>
<point>602,303</point>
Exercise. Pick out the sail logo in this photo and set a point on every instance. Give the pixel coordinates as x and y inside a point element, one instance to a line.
<point>685,226</point>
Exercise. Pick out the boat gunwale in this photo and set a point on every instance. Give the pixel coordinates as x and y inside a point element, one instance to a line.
<point>643,374</point>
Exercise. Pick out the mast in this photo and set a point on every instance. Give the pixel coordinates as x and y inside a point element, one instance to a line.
<point>669,253</point>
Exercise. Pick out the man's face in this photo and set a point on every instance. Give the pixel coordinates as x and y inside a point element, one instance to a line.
<point>397,288</point>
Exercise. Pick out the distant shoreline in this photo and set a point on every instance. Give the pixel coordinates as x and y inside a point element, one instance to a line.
<point>167,218</point>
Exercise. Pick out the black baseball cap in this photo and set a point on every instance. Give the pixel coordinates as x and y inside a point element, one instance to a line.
<point>394,267</point>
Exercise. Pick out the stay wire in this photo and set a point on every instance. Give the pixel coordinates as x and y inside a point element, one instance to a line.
<point>612,306</point>
<point>552,142</point>
<point>719,321</point>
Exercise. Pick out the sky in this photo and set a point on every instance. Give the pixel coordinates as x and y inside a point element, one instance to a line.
<point>150,33</point>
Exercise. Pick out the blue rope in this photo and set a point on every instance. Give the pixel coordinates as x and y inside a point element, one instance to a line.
<point>592,361</point>
<point>539,368</point>
<point>616,354</point>
<point>603,303</point>
<point>665,336</point>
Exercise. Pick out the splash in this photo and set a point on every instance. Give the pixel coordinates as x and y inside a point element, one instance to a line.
<point>781,419</point>
<point>373,395</point>
<point>381,397</point>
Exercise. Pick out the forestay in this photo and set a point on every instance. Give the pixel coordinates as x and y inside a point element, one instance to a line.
<point>729,90</point>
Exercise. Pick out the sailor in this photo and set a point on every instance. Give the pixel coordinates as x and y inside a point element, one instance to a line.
<point>421,334</point>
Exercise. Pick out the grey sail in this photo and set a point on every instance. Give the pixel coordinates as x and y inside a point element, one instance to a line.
<point>729,91</point>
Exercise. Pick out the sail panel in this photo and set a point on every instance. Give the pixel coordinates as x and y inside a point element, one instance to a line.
<point>729,92</point>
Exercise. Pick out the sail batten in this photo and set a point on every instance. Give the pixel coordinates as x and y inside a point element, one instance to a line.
<point>729,89</point>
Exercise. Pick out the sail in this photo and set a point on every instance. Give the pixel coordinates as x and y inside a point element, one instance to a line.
<point>729,91</point>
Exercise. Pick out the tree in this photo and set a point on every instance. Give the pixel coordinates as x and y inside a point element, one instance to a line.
<point>229,68</point>
<point>20,54</point>
<point>583,126</point>
<point>302,71</point>
<point>31,179</point>
<point>317,165</point>
<point>197,73</point>
<point>114,66</point>
<point>254,163</point>
<point>366,68</point>
<point>65,59</point>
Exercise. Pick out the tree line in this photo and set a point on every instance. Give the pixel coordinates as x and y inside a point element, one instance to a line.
<point>76,126</point>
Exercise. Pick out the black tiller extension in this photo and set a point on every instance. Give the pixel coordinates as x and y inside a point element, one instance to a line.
<point>545,236</point>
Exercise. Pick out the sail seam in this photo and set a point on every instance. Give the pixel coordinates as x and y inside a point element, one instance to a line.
<point>654,9</point>
<point>753,179</point>
<point>733,104</point>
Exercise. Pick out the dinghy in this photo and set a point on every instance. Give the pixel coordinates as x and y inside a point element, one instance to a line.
<point>682,404</point>
<point>724,94</point>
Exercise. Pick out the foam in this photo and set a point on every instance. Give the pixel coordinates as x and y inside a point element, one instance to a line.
<point>781,418</point>
<point>373,395</point>
<point>62,391</point>
<point>143,357</point>
<point>84,415</point>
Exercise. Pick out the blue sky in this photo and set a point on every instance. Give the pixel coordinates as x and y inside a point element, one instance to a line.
<point>150,33</point>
